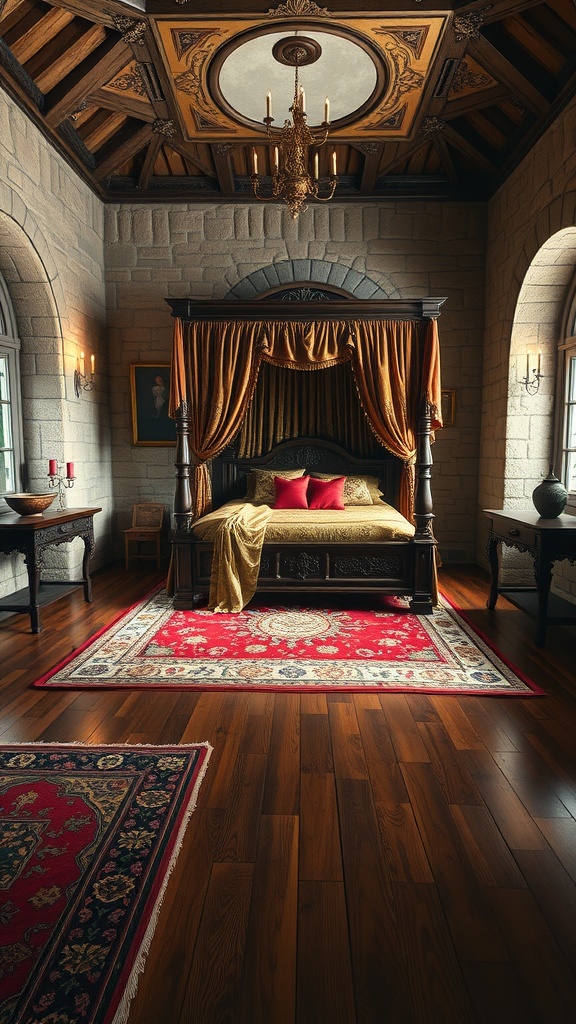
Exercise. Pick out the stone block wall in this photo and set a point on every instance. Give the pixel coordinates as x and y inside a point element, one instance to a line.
<point>51,256</point>
<point>394,249</point>
<point>531,262</point>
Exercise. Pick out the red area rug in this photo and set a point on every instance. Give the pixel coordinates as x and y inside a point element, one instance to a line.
<point>89,836</point>
<point>372,646</point>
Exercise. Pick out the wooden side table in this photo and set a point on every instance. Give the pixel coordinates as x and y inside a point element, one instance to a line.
<point>547,541</point>
<point>31,536</point>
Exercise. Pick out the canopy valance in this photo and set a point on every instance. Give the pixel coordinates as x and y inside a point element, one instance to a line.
<point>395,362</point>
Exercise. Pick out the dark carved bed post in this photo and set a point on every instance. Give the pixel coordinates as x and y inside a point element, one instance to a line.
<point>424,543</point>
<point>183,587</point>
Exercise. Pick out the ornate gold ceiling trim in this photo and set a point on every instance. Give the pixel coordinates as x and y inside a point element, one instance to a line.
<point>406,45</point>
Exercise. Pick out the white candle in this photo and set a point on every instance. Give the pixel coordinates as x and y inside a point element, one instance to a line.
<point>92,363</point>
<point>82,363</point>
<point>527,366</point>
<point>302,100</point>
<point>254,162</point>
<point>327,110</point>
<point>334,162</point>
<point>276,159</point>
<point>316,165</point>
<point>268,104</point>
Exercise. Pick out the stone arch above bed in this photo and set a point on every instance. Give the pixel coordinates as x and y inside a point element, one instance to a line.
<point>336,279</point>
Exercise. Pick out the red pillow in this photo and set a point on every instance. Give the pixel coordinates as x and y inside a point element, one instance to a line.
<point>326,493</point>
<point>291,493</point>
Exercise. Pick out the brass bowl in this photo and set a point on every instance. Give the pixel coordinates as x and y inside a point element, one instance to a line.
<point>30,504</point>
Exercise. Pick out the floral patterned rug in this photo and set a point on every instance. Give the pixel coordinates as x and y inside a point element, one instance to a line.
<point>89,836</point>
<point>367,644</point>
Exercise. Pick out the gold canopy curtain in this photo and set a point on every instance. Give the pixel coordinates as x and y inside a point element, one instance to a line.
<point>396,365</point>
<point>216,364</point>
<point>214,371</point>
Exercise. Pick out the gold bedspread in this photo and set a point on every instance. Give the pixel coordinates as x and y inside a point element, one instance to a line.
<point>355,524</point>
<point>238,537</point>
<point>238,530</point>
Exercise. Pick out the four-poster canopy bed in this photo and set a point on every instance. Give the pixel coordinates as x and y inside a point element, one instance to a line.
<point>258,433</point>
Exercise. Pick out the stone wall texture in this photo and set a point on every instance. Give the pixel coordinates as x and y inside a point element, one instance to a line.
<point>396,250</point>
<point>51,256</point>
<point>530,265</point>
<point>94,277</point>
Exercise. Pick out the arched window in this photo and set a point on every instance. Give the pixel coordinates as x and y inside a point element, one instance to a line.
<point>11,447</point>
<point>567,424</point>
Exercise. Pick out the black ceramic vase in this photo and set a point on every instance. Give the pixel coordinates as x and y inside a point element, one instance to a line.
<point>550,497</point>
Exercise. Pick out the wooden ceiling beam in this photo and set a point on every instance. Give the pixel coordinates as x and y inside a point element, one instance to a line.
<point>38,35</point>
<point>122,149</point>
<point>96,70</point>
<point>452,137</point>
<point>222,157</point>
<point>179,147</point>
<point>492,61</point>
<point>497,10</point>
<point>147,169</point>
<point>123,104</point>
<point>372,155</point>
<point>475,101</point>
<point>445,158</point>
<point>403,153</point>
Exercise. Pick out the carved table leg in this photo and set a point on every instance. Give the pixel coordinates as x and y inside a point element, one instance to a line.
<point>88,547</point>
<point>33,568</point>
<point>543,576</point>
<point>492,551</point>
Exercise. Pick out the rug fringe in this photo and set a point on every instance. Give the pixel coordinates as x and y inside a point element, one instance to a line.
<point>131,987</point>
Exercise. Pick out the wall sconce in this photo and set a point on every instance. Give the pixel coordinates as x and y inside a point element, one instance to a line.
<point>532,383</point>
<point>81,381</point>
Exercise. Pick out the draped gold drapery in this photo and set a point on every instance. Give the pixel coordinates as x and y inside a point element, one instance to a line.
<point>290,403</point>
<point>216,364</point>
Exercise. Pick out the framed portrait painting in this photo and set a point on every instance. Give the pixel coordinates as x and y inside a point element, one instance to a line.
<point>150,393</point>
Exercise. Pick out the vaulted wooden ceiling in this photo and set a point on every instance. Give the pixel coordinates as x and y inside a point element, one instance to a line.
<point>470,88</point>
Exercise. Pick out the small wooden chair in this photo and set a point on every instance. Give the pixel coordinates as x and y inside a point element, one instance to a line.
<point>147,525</point>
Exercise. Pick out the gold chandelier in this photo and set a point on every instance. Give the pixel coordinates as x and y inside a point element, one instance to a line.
<point>291,179</point>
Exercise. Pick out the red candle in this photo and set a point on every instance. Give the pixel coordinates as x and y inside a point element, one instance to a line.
<point>52,467</point>
<point>70,470</point>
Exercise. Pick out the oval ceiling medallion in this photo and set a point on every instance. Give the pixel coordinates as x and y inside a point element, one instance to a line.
<point>344,71</point>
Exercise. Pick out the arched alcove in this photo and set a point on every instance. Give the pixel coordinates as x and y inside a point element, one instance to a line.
<point>336,277</point>
<point>536,331</point>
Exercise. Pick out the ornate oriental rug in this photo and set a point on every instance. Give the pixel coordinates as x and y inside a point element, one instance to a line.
<point>377,646</point>
<point>88,837</point>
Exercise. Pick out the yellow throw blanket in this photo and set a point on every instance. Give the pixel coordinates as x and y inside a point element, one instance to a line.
<point>236,557</point>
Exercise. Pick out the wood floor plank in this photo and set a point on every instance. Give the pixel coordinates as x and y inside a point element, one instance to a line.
<point>325,987</point>
<point>505,806</point>
<point>380,977</point>
<point>320,857</point>
<point>239,826</point>
<point>268,988</point>
<point>282,789</point>
<point>437,987</point>
<point>456,782</point>
<point>471,924</point>
<point>212,987</point>
<point>535,954</point>
<point>348,753</point>
<point>353,858</point>
<point>404,732</point>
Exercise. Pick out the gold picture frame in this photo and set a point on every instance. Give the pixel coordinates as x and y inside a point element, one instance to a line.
<point>448,403</point>
<point>150,392</point>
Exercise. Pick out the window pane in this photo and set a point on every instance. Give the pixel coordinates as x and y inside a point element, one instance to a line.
<point>4,380</point>
<point>572,379</point>
<point>570,481</point>
<point>571,426</point>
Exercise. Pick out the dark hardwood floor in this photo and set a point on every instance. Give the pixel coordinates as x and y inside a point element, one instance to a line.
<point>353,859</point>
